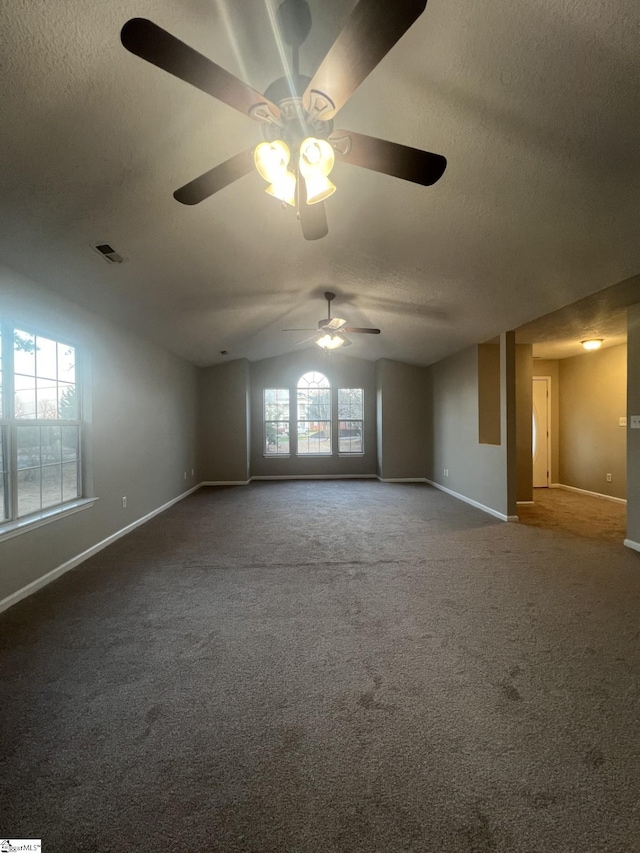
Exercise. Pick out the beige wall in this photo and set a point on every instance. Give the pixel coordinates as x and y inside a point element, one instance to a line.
<point>405,420</point>
<point>141,435</point>
<point>284,371</point>
<point>524,448</point>
<point>223,422</point>
<point>633,435</point>
<point>593,397</point>
<point>550,368</point>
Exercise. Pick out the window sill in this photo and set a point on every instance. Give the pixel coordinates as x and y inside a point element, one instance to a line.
<point>350,455</point>
<point>314,455</point>
<point>276,455</point>
<point>45,516</point>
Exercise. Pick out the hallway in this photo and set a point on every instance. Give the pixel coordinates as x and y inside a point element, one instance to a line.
<point>572,512</point>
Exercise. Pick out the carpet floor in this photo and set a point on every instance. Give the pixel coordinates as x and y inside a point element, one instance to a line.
<point>327,666</point>
<point>572,512</point>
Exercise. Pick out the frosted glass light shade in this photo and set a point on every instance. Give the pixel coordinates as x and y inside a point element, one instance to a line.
<point>316,162</point>
<point>594,343</point>
<point>272,159</point>
<point>330,342</point>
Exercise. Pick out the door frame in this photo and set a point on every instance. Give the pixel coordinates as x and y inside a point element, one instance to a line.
<point>548,381</point>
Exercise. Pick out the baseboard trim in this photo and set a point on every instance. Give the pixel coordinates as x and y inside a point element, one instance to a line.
<point>37,584</point>
<point>401,479</point>
<point>314,477</point>
<point>525,503</point>
<point>635,546</point>
<point>587,492</point>
<point>476,504</point>
<point>225,482</point>
<point>289,477</point>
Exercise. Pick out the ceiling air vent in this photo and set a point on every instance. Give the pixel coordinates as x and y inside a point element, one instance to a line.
<point>108,253</point>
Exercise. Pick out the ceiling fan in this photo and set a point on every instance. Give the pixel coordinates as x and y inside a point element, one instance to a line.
<point>296,112</point>
<point>330,333</point>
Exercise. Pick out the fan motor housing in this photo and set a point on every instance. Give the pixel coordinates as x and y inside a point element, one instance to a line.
<point>287,94</point>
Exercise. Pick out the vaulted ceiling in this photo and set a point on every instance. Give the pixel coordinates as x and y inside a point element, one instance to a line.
<point>534,104</point>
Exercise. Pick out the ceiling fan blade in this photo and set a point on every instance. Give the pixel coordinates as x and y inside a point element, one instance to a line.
<point>390,158</point>
<point>333,324</point>
<point>216,179</point>
<point>372,29</point>
<point>149,41</point>
<point>354,331</point>
<point>313,217</point>
<point>307,340</point>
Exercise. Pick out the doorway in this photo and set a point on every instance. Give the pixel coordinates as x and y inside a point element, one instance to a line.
<point>540,431</point>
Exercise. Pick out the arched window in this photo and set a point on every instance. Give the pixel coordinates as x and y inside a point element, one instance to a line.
<point>314,414</point>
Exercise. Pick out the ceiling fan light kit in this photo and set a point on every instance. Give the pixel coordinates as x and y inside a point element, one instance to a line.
<point>296,112</point>
<point>331,330</point>
<point>592,343</point>
<point>330,341</point>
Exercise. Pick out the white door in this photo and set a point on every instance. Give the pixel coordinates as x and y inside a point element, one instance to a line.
<point>540,436</point>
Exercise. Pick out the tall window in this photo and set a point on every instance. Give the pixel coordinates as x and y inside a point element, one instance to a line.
<point>314,414</point>
<point>39,424</point>
<point>350,420</point>
<point>276,421</point>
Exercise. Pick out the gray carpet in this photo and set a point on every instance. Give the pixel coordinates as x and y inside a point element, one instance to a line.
<point>582,515</point>
<point>328,666</point>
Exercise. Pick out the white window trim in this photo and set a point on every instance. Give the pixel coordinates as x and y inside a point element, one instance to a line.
<point>16,526</point>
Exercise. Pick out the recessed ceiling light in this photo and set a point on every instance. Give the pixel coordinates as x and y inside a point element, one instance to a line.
<point>593,343</point>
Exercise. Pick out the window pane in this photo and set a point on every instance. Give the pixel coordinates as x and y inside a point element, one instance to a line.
<point>46,359</point>
<point>350,403</point>
<point>28,491</point>
<point>28,447</point>
<point>66,363</point>
<point>67,402</point>
<point>24,353</point>
<point>47,396</point>
<point>50,445</point>
<point>276,404</point>
<point>4,509</point>
<point>25,396</point>
<point>4,494</point>
<point>350,437</point>
<point>314,437</point>
<point>51,485</point>
<point>276,437</point>
<point>70,481</point>
<point>69,440</point>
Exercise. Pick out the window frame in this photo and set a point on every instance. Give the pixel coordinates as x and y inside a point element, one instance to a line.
<point>359,420</point>
<point>333,422</point>
<point>328,421</point>
<point>10,425</point>
<point>265,421</point>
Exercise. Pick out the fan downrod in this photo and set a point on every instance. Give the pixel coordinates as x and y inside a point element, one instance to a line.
<point>294,20</point>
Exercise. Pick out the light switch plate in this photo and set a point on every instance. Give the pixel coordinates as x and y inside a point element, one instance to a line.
<point>635,421</point>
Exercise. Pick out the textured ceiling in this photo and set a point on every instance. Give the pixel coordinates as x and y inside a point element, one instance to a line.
<point>534,104</point>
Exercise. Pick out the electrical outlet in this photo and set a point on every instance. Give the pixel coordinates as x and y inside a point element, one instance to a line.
<point>635,421</point>
<point>185,475</point>
<point>124,503</point>
<point>622,421</point>
<point>608,478</point>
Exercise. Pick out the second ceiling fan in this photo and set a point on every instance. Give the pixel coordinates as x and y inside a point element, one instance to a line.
<point>297,112</point>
